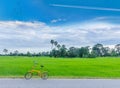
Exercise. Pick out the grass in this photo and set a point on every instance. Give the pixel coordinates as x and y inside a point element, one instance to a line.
<point>107,67</point>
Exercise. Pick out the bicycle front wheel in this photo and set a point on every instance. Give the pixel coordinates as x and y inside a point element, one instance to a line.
<point>44,76</point>
<point>28,75</point>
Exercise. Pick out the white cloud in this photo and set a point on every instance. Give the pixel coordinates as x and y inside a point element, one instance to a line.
<point>35,36</point>
<point>110,19</point>
<point>57,20</point>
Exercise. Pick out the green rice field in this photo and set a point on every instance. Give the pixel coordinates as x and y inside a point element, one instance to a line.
<point>105,67</point>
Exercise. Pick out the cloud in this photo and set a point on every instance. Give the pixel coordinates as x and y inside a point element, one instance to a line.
<point>86,7</point>
<point>57,20</point>
<point>109,19</point>
<point>36,36</point>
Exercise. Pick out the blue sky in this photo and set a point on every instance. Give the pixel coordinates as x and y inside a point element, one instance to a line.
<point>29,25</point>
<point>42,10</point>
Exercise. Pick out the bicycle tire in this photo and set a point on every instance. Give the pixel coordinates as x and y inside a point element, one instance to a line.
<point>28,75</point>
<point>44,75</point>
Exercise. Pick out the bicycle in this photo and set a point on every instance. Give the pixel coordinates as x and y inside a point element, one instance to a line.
<point>43,74</point>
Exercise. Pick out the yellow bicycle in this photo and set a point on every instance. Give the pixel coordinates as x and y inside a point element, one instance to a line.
<point>42,73</point>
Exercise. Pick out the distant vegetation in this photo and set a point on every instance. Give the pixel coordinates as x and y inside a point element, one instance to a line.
<point>57,50</point>
<point>98,50</point>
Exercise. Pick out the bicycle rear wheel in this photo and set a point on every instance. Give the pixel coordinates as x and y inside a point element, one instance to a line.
<point>44,76</point>
<point>28,75</point>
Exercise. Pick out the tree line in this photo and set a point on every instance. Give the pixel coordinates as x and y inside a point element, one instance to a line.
<point>98,50</point>
<point>58,50</point>
<point>17,53</point>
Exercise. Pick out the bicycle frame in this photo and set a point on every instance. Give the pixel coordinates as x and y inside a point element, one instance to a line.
<point>43,74</point>
<point>35,71</point>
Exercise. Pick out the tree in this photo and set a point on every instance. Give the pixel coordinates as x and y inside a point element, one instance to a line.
<point>54,53</point>
<point>58,46</point>
<point>117,49</point>
<point>113,52</point>
<point>92,54</point>
<point>52,42</point>
<point>106,51</point>
<point>55,43</point>
<point>45,54</point>
<point>73,52</point>
<point>63,51</point>
<point>98,49</point>
<point>84,51</point>
<point>16,52</point>
<point>5,51</point>
<point>11,53</point>
<point>29,54</point>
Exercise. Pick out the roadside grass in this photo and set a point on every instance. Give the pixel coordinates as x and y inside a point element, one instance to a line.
<point>105,67</point>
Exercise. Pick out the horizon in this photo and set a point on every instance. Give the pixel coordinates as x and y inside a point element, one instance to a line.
<point>36,50</point>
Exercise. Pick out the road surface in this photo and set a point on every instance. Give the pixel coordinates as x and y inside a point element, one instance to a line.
<point>60,83</point>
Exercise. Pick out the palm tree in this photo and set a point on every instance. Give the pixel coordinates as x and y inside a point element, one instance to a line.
<point>58,46</point>
<point>52,42</point>
<point>55,43</point>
